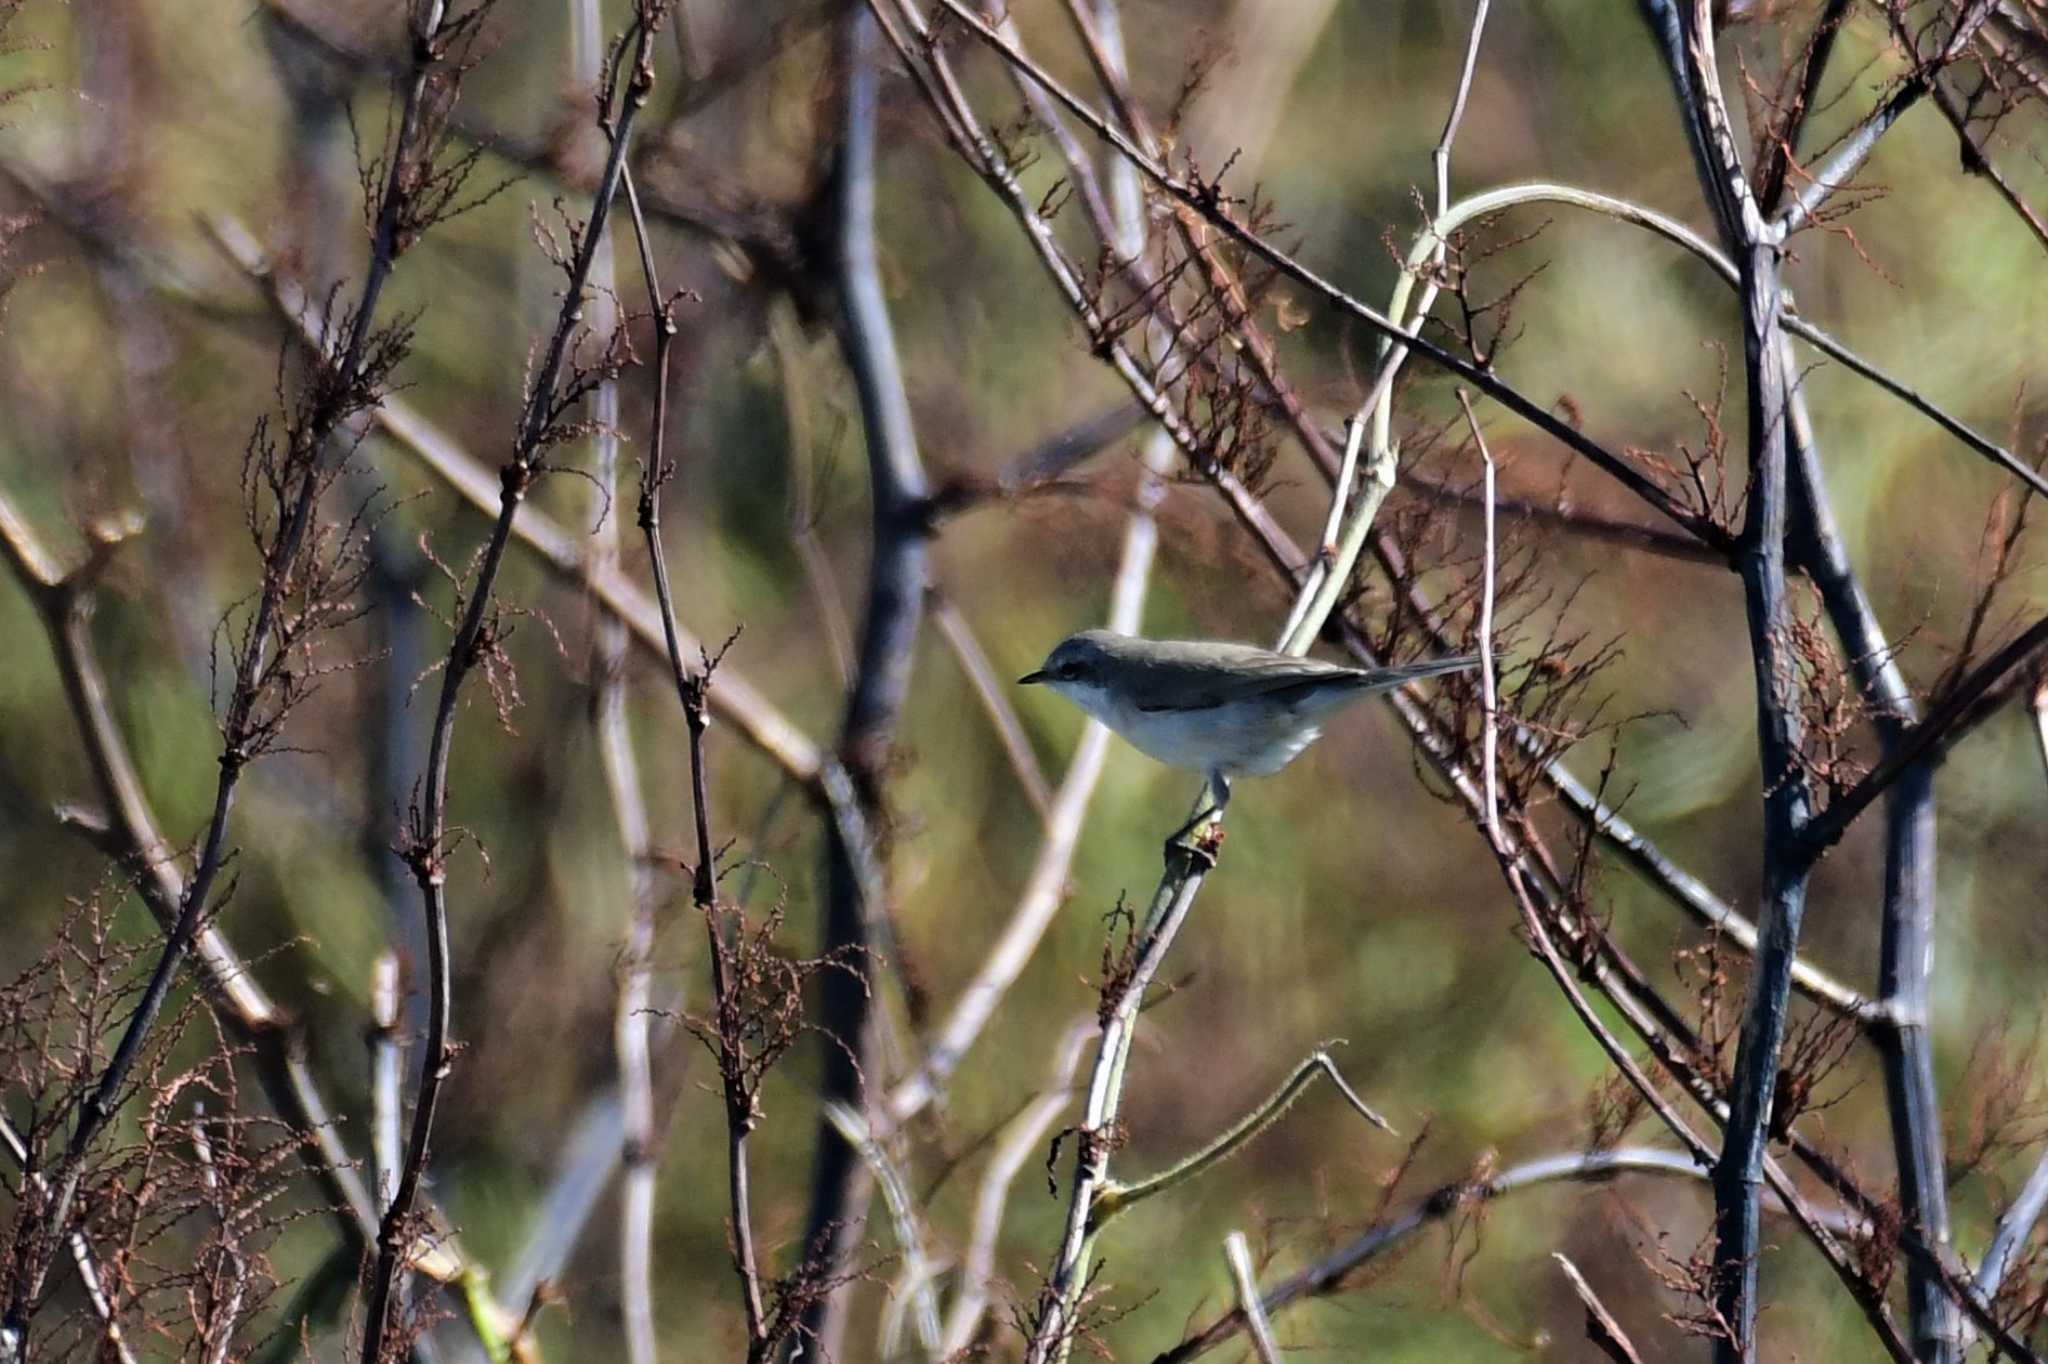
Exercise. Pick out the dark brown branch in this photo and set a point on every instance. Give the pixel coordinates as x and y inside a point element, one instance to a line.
<point>253,713</point>
<point>1906,950</point>
<point>856,912</point>
<point>1781,143</point>
<point>1334,1272</point>
<point>1977,159</point>
<point>1925,741</point>
<point>1856,148</point>
<point>428,846</point>
<point>1209,202</point>
<point>1601,1328</point>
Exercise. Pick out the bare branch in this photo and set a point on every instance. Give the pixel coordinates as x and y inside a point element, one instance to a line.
<point>1601,1327</point>
<point>1242,1275</point>
<point>473,645</point>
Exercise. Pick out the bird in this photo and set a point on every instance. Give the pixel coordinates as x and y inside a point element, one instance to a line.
<point>1224,710</point>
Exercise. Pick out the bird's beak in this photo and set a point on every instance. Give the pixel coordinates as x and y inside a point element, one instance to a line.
<point>1031,679</point>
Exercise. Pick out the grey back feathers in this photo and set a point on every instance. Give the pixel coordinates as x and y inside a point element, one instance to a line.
<point>1168,675</point>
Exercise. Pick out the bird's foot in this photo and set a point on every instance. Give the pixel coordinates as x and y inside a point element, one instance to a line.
<point>1200,849</point>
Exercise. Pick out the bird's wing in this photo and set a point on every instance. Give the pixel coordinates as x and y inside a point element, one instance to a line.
<point>1184,677</point>
<point>1196,677</point>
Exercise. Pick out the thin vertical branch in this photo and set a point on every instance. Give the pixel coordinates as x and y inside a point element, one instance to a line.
<point>1489,691</point>
<point>741,1111</point>
<point>222,1318</point>
<point>989,690</point>
<point>385,1098</point>
<point>634,1000</point>
<point>1441,157</point>
<point>428,845</point>
<point>1688,47</point>
<point>1489,739</point>
<point>1788,497</point>
<point>693,691</point>
<point>1906,944</point>
<point>855,911</point>
<point>1245,1280</point>
<point>1780,737</point>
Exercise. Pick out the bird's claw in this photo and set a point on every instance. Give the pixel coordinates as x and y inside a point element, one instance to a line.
<point>1201,849</point>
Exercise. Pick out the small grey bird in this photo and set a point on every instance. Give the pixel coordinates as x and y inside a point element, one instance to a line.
<point>1223,710</point>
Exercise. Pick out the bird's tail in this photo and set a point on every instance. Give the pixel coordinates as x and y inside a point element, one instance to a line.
<point>1384,679</point>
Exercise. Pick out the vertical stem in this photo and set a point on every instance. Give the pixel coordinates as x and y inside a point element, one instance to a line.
<point>1780,737</point>
<point>630,1026</point>
<point>895,600</point>
<point>1906,948</point>
<point>385,1084</point>
<point>1686,39</point>
<point>1489,743</point>
<point>428,838</point>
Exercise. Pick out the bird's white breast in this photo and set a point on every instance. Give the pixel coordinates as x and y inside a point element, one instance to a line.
<point>1253,737</point>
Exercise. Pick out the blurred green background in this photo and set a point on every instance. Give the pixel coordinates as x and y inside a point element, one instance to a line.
<point>1351,903</point>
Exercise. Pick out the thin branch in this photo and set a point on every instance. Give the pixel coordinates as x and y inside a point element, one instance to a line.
<point>1115,1197</point>
<point>1489,739</point>
<point>1021,1139</point>
<point>1494,201</point>
<point>1574,521</point>
<point>995,700</point>
<point>1208,202</point>
<point>2014,1227</point>
<point>587,1158</point>
<point>1906,948</point>
<point>737,701</point>
<point>1690,894</point>
<point>694,692</point>
<point>1601,1327</point>
<point>634,997</point>
<point>1855,148</point>
<point>917,1270</point>
<point>1927,740</point>
<point>1977,157</point>
<point>1688,49</point>
<point>1244,1278</point>
<point>112,1337</point>
<point>1781,142</point>
<point>1441,157</point>
<point>856,909</point>
<point>428,843</point>
<point>303,476</point>
<point>1045,887</point>
<point>1332,1274</point>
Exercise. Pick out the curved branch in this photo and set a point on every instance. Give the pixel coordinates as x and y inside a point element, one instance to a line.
<point>1331,1273</point>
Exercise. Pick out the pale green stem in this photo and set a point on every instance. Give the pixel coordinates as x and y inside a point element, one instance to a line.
<point>917,1273</point>
<point>1116,1198</point>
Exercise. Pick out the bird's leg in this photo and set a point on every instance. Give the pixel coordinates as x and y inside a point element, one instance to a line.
<point>1203,849</point>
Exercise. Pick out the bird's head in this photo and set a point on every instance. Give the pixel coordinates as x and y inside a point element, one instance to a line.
<point>1080,666</point>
